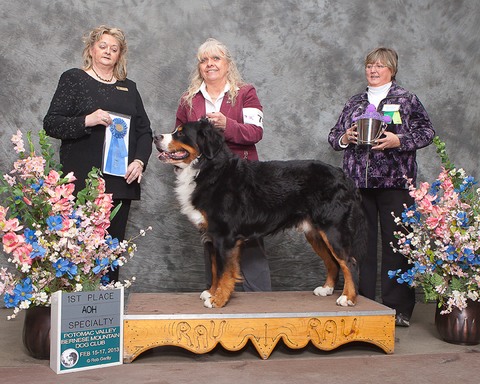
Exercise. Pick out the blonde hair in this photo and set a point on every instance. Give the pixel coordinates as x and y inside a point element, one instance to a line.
<point>89,40</point>
<point>212,47</point>
<point>386,56</point>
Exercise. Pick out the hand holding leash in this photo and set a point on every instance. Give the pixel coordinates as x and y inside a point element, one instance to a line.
<point>218,120</point>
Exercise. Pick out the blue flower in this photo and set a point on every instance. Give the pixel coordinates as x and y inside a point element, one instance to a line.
<point>21,292</point>
<point>111,242</point>
<point>451,253</point>
<point>75,217</point>
<point>101,264</point>
<point>54,223</point>
<point>37,251</point>
<point>408,219</point>
<point>30,237</point>
<point>36,187</point>
<point>462,219</point>
<point>392,274</point>
<point>435,187</point>
<point>420,268</point>
<point>11,301</point>
<point>24,289</point>
<point>105,280</point>
<point>64,266</point>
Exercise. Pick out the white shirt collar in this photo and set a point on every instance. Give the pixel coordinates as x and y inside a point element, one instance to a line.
<point>203,89</point>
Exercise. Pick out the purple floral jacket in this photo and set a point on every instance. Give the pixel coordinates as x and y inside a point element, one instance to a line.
<point>385,169</point>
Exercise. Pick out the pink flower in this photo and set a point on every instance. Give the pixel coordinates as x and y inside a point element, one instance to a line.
<point>11,180</point>
<point>432,222</point>
<point>52,178</point>
<point>21,254</point>
<point>11,241</point>
<point>17,140</point>
<point>420,192</point>
<point>3,212</point>
<point>11,225</point>
<point>62,206</point>
<point>70,177</point>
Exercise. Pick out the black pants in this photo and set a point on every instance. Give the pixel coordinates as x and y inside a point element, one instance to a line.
<point>253,266</point>
<point>378,205</point>
<point>117,229</point>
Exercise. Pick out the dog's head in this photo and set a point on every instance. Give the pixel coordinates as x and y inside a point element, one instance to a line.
<point>189,141</point>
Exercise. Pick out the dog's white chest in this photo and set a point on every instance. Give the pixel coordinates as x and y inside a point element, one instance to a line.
<point>185,187</point>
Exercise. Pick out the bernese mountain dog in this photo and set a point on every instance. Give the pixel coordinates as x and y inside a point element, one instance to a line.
<point>230,200</point>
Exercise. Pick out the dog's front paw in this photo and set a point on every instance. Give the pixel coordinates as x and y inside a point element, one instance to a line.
<point>205,295</point>
<point>344,301</point>
<point>323,291</point>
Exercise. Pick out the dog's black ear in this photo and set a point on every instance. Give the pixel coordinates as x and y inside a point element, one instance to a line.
<point>210,141</point>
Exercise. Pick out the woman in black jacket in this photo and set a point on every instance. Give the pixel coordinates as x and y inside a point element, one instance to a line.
<point>98,114</point>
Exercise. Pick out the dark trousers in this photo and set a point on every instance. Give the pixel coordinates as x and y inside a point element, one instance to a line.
<point>253,266</point>
<point>117,229</point>
<point>378,205</point>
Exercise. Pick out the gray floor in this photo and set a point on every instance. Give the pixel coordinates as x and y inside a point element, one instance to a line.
<point>420,357</point>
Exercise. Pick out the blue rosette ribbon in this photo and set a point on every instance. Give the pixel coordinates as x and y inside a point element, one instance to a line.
<point>117,150</point>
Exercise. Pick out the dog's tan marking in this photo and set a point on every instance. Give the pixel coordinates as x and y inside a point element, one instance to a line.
<point>318,244</point>
<point>349,294</point>
<point>230,276</point>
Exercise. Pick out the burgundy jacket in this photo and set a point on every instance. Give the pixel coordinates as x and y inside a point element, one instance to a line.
<point>240,138</point>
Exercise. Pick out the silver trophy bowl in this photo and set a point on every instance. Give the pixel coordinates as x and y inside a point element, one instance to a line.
<point>369,131</point>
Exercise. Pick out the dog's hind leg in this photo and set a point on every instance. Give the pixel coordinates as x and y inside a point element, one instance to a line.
<point>227,280</point>
<point>319,246</point>
<point>349,294</point>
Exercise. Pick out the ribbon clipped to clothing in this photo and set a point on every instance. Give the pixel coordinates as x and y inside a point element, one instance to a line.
<point>117,151</point>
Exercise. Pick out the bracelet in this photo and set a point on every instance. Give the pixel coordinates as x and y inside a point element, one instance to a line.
<point>139,162</point>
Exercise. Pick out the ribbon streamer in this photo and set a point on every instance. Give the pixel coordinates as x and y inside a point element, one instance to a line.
<point>117,151</point>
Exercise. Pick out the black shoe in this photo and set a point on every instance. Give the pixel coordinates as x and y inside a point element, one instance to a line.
<point>402,320</point>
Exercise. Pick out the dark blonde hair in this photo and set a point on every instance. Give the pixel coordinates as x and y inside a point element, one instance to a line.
<point>212,47</point>
<point>89,40</point>
<point>386,56</point>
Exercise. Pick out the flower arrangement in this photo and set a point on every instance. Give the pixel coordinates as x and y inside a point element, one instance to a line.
<point>55,240</point>
<point>440,237</point>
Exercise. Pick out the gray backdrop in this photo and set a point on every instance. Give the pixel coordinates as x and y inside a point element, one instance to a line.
<point>304,57</point>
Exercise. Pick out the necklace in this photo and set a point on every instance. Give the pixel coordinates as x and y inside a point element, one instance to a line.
<point>101,78</point>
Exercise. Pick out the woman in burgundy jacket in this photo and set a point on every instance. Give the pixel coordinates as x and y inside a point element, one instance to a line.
<point>218,92</point>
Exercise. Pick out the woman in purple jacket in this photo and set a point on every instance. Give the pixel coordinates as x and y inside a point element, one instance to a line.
<point>218,92</point>
<point>380,171</point>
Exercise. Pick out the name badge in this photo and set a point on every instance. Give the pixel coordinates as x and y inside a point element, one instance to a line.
<point>393,110</point>
<point>122,88</point>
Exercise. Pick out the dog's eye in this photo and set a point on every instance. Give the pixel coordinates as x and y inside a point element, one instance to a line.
<point>180,133</point>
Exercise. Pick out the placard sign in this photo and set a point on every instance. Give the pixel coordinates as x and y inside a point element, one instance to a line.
<point>86,330</point>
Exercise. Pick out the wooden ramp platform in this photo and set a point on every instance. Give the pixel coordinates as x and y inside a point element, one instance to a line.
<point>264,318</point>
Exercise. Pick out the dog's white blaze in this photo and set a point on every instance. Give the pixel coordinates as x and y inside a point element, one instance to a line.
<point>185,187</point>
<point>167,138</point>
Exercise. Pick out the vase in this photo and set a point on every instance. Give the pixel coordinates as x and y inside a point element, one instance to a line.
<point>461,326</point>
<point>36,332</point>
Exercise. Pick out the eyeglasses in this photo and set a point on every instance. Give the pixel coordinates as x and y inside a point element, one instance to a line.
<point>377,67</point>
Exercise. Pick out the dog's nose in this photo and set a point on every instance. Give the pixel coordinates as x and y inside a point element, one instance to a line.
<point>157,138</point>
